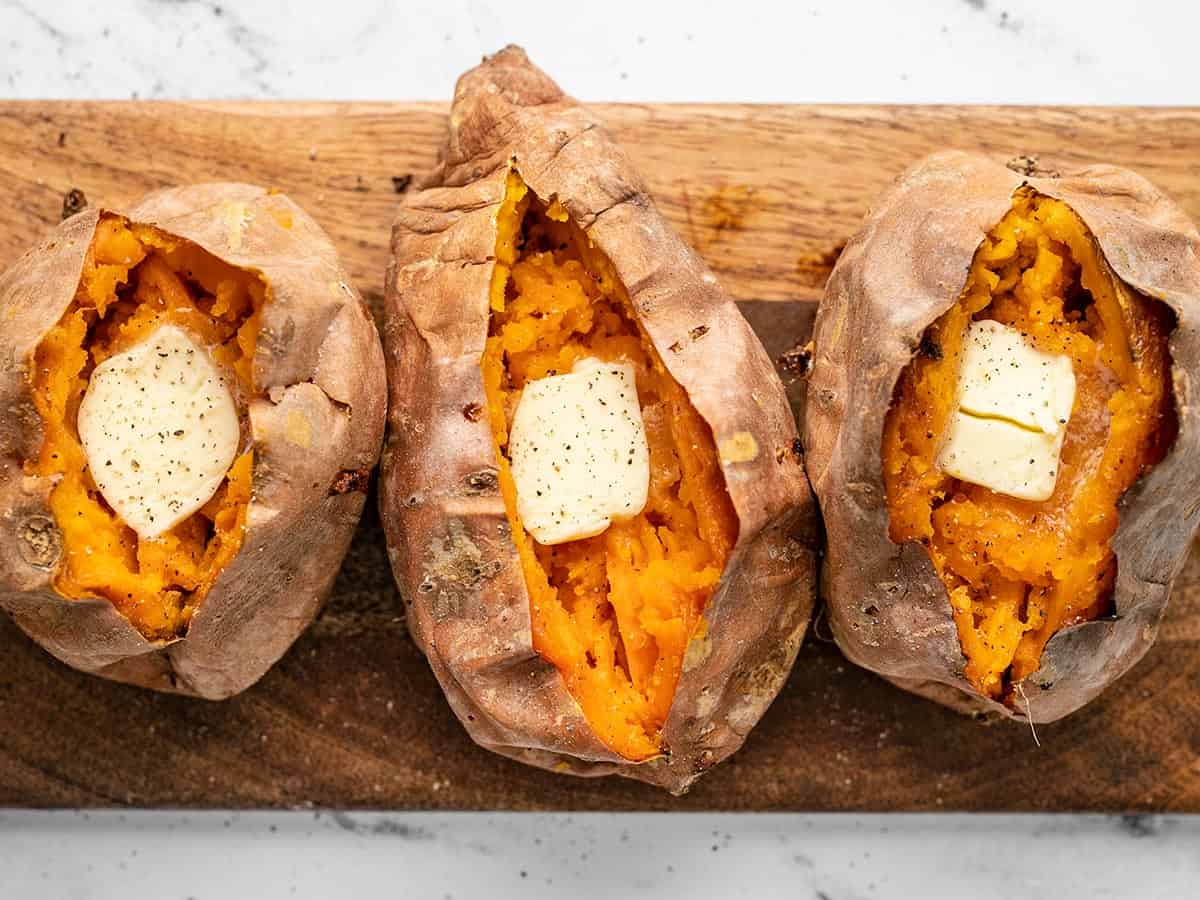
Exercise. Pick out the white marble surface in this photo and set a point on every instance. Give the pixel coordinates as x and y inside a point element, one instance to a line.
<point>919,51</point>
<point>1021,51</point>
<point>832,857</point>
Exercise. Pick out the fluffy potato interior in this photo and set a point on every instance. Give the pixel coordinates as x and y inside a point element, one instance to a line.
<point>615,612</point>
<point>1018,571</point>
<point>136,278</point>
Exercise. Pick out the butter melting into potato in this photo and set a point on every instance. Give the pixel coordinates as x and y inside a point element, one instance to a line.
<point>1000,432</point>
<point>162,524</point>
<point>644,616</point>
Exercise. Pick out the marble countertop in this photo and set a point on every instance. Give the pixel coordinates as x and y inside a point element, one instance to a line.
<point>984,51</point>
<point>931,51</point>
<point>449,857</point>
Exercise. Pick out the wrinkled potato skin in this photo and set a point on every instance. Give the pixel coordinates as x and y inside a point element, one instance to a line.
<point>318,355</point>
<point>905,268</point>
<point>448,535</point>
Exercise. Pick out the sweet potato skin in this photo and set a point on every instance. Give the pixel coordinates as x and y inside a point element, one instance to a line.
<point>448,535</point>
<point>887,608</point>
<point>318,356</point>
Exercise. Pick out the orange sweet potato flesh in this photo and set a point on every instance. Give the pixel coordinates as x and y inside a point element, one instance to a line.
<point>613,613</point>
<point>136,278</point>
<point>1019,571</point>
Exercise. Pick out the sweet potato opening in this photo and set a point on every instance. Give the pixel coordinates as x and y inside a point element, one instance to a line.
<point>136,278</point>
<point>614,613</point>
<point>1019,571</point>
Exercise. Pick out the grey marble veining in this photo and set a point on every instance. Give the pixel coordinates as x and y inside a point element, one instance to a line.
<point>1015,51</point>
<point>831,857</point>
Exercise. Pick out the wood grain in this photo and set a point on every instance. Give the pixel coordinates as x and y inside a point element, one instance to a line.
<point>352,717</point>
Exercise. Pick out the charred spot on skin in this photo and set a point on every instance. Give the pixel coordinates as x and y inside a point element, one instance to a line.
<point>40,542</point>
<point>675,347</point>
<point>472,412</point>
<point>698,332</point>
<point>74,201</point>
<point>929,348</point>
<point>1028,166</point>
<point>794,452</point>
<point>1022,165</point>
<point>349,480</point>
<point>485,481</point>
<point>401,183</point>
<point>796,364</point>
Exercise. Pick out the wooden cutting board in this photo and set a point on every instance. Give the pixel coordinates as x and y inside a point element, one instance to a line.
<point>352,716</point>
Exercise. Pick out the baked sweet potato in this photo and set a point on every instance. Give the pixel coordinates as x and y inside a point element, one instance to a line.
<point>978,598</point>
<point>206,606</point>
<point>652,648</point>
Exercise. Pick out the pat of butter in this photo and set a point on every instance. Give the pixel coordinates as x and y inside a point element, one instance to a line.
<point>1002,376</point>
<point>160,429</point>
<point>1001,456</point>
<point>1014,402</point>
<point>578,452</point>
